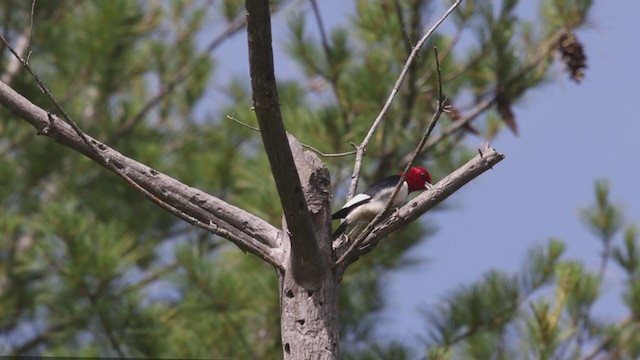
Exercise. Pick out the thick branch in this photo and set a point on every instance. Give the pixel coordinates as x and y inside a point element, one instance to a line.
<point>304,246</point>
<point>199,208</point>
<point>427,200</point>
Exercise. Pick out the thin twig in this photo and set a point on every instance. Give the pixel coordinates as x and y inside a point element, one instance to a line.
<point>58,107</point>
<point>434,119</point>
<point>329,75</point>
<point>544,49</point>
<point>362,147</point>
<point>303,145</point>
<point>443,55</point>
<point>479,109</point>
<point>323,34</point>
<point>347,153</point>
<point>254,128</point>
<point>31,26</point>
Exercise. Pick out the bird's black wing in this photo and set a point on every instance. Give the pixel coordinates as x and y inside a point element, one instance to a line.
<point>388,182</point>
<point>342,213</point>
<point>371,191</point>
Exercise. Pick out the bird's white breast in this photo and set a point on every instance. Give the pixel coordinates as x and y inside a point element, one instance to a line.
<point>366,212</point>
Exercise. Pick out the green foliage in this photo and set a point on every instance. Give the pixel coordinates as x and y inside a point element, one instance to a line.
<point>604,219</point>
<point>569,13</point>
<point>391,351</point>
<point>97,270</point>
<point>546,311</point>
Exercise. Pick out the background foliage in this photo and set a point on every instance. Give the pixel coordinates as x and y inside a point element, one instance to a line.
<point>90,268</point>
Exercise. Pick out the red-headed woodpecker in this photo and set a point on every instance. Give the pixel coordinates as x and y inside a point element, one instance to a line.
<point>365,206</point>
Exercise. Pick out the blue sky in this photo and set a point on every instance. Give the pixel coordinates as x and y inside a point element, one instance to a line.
<point>570,135</point>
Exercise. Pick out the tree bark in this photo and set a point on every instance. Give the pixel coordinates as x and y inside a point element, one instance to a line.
<point>309,319</point>
<point>305,253</point>
<point>309,315</point>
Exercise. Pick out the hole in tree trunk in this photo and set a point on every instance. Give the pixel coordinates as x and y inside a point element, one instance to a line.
<point>287,348</point>
<point>289,293</point>
<point>310,293</point>
<point>300,321</point>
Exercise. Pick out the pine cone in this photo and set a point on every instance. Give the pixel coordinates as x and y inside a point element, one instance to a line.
<point>454,114</point>
<point>573,56</point>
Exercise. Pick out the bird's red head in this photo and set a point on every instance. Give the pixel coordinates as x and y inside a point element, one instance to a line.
<point>418,178</point>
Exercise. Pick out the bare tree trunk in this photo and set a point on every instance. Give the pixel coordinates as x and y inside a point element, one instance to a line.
<point>309,310</point>
<point>309,319</point>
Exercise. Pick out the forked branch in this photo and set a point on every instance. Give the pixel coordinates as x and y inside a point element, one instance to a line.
<point>414,53</point>
<point>306,256</point>
<point>384,213</point>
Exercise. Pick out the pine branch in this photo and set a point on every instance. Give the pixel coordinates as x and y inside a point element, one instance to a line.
<point>178,78</point>
<point>545,48</point>
<point>47,334</point>
<point>246,230</point>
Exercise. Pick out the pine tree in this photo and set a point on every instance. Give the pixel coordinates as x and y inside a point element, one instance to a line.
<point>546,310</point>
<point>90,268</point>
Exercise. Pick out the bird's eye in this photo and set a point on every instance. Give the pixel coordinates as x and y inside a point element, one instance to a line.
<point>424,176</point>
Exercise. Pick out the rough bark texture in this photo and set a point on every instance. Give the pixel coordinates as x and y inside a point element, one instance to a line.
<point>316,186</point>
<point>309,317</point>
<point>304,246</point>
<point>308,283</point>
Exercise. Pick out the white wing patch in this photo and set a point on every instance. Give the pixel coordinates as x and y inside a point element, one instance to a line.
<point>356,199</point>
<point>366,212</point>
